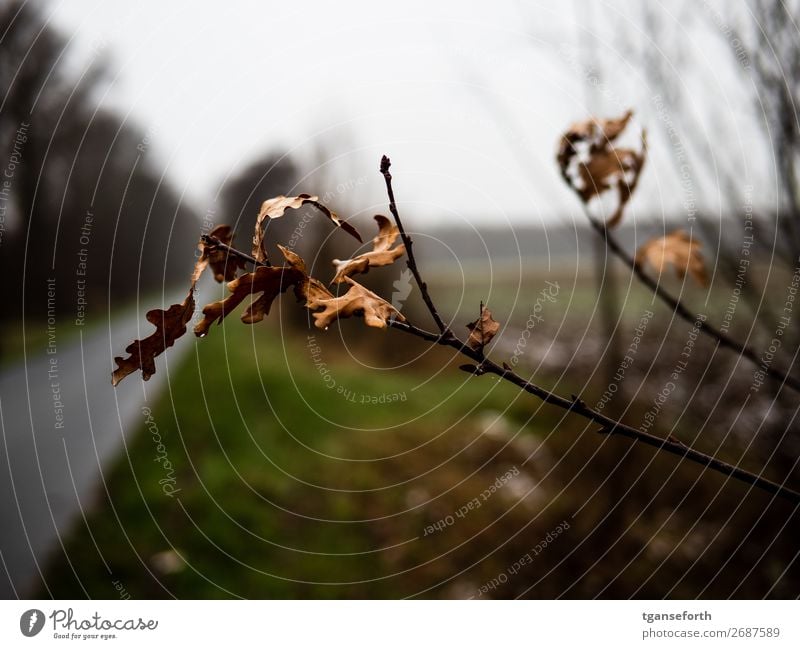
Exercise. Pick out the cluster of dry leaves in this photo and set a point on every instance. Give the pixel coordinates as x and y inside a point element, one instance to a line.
<point>592,164</point>
<point>266,282</point>
<point>590,161</point>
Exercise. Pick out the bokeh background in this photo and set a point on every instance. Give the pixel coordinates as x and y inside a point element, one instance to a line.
<point>278,460</point>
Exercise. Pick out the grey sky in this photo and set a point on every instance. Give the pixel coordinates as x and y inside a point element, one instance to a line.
<point>468,98</point>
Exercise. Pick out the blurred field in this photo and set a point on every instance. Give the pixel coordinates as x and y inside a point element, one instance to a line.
<point>291,484</point>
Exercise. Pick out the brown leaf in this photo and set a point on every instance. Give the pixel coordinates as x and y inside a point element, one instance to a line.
<point>387,233</point>
<point>349,267</point>
<point>312,290</point>
<point>611,168</point>
<point>200,265</point>
<point>381,254</point>
<point>269,281</point>
<point>223,264</point>
<point>591,165</point>
<point>293,259</point>
<point>308,288</point>
<point>482,330</point>
<point>598,132</point>
<point>611,128</point>
<point>344,225</point>
<point>357,301</point>
<point>170,325</point>
<point>676,249</point>
<point>274,208</point>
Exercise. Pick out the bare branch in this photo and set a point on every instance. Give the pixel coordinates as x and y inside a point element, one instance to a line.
<point>608,425</point>
<point>683,312</point>
<point>412,263</point>
<point>213,242</point>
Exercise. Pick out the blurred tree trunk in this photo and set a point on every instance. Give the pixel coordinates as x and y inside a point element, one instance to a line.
<point>608,307</point>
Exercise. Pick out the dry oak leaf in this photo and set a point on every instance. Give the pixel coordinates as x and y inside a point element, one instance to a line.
<point>269,281</point>
<point>613,167</point>
<point>599,130</point>
<point>482,330</point>
<point>308,288</point>
<point>382,253</point>
<point>274,208</point>
<point>223,264</point>
<point>293,259</point>
<point>311,290</point>
<point>677,249</point>
<point>357,301</point>
<point>598,133</point>
<point>591,165</point>
<point>170,325</point>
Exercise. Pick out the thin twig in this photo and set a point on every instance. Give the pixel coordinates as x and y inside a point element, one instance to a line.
<point>480,325</point>
<point>213,242</point>
<point>412,263</point>
<point>607,424</point>
<point>682,311</point>
<point>576,405</point>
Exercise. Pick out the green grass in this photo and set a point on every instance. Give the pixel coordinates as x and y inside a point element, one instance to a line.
<point>283,480</point>
<point>290,488</point>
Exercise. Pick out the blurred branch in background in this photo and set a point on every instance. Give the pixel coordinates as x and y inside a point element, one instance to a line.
<point>755,178</point>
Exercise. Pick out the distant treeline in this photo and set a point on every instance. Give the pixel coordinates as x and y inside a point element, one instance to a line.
<point>81,203</point>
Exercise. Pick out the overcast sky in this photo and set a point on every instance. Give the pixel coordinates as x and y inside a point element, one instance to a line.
<point>468,98</point>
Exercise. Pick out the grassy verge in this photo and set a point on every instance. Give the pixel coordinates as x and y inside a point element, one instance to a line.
<point>291,484</point>
<point>299,470</point>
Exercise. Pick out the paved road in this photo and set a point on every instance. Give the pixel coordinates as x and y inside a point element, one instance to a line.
<point>60,424</point>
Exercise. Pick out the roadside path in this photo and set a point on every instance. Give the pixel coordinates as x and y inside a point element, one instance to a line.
<point>61,424</point>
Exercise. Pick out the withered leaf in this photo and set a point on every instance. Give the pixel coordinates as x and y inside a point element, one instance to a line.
<point>293,259</point>
<point>597,133</point>
<point>223,265</point>
<point>599,129</point>
<point>357,301</point>
<point>268,281</point>
<point>200,265</point>
<point>274,208</point>
<point>308,288</point>
<point>677,249</point>
<point>170,325</point>
<point>482,330</point>
<point>387,233</point>
<point>349,267</point>
<point>614,167</point>
<point>592,165</point>
<point>382,253</point>
<point>312,290</point>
